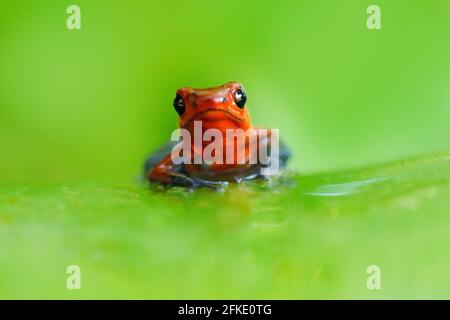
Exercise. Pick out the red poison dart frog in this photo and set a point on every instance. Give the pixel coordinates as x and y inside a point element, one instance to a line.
<point>218,115</point>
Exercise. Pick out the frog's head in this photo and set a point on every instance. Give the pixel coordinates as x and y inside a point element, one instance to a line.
<point>222,107</point>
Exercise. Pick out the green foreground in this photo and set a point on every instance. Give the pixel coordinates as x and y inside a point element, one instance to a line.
<point>303,237</point>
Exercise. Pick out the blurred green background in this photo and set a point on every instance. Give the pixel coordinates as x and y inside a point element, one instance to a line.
<point>81,109</point>
<point>91,104</point>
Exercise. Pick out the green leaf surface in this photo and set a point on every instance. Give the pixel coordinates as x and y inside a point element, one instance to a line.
<point>294,237</point>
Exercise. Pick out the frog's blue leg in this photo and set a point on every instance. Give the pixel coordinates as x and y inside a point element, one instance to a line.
<point>284,154</point>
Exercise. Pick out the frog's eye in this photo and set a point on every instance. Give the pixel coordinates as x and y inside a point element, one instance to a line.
<point>178,104</point>
<point>240,97</point>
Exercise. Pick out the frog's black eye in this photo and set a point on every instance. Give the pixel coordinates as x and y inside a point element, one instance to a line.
<point>178,104</point>
<point>240,97</point>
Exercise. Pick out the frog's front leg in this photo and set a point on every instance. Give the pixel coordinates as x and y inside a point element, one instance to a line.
<point>159,168</point>
<point>166,172</point>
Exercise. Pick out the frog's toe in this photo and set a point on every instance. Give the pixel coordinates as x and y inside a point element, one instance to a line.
<point>216,185</point>
<point>183,180</point>
<point>251,176</point>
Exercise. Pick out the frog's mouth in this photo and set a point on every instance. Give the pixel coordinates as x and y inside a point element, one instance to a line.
<point>214,115</point>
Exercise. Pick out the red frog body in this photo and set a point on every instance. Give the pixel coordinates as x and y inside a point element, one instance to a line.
<point>221,111</point>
